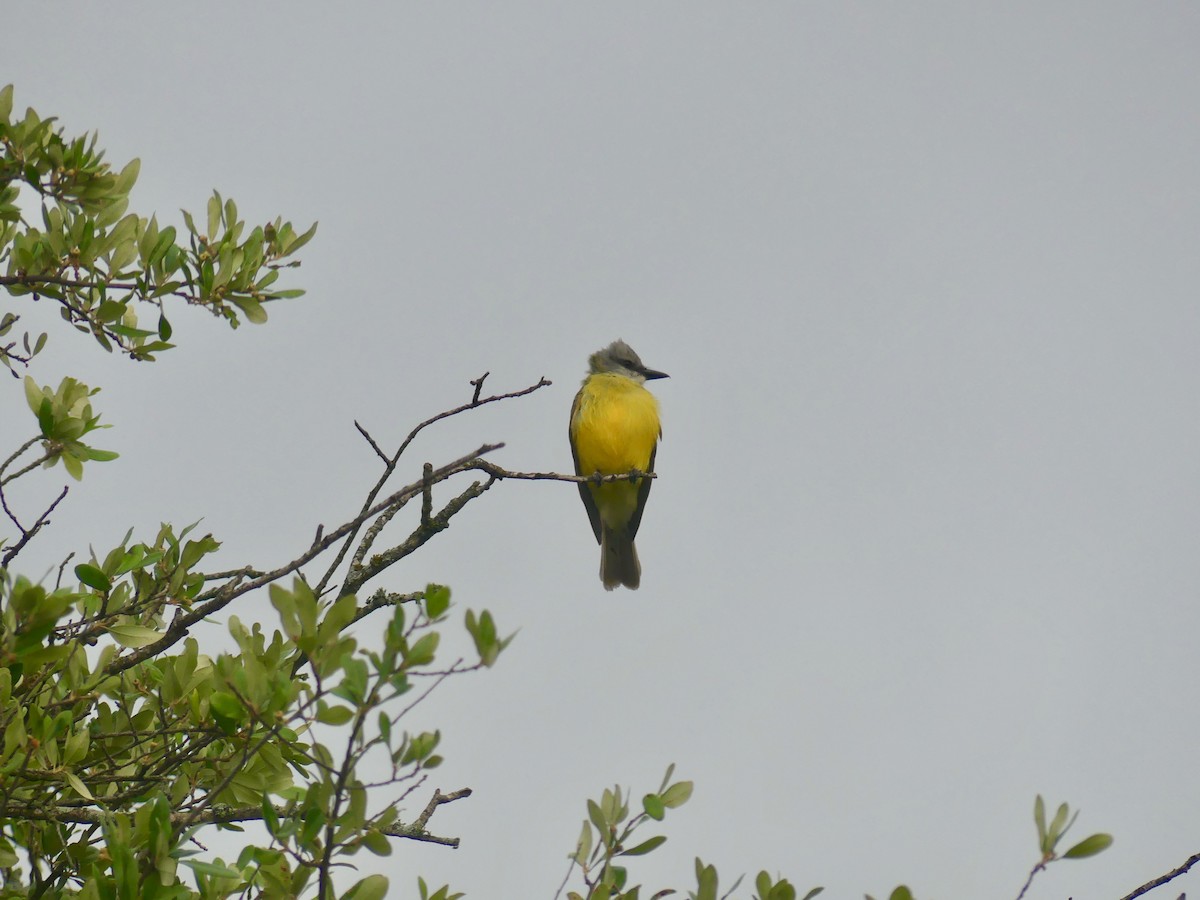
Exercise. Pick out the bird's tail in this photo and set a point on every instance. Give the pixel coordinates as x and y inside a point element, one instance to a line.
<point>618,560</point>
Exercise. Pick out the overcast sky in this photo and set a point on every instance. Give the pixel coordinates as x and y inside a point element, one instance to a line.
<point>925,277</point>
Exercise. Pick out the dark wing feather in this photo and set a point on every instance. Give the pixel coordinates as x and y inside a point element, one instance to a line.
<point>586,494</point>
<point>643,493</point>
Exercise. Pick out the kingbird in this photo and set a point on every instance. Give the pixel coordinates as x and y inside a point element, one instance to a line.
<point>615,430</point>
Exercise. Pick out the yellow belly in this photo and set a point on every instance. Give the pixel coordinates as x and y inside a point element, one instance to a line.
<point>614,429</point>
<point>614,426</point>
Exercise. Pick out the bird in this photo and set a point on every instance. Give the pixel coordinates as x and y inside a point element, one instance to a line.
<point>615,430</point>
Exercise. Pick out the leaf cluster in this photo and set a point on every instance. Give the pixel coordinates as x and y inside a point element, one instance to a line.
<point>84,251</point>
<point>606,845</point>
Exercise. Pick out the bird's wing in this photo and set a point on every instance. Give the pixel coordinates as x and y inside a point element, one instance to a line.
<point>584,492</point>
<point>643,492</point>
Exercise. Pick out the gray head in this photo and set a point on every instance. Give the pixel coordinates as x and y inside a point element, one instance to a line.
<point>619,358</point>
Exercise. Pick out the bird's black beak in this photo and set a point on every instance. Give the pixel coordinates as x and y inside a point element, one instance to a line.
<point>650,374</point>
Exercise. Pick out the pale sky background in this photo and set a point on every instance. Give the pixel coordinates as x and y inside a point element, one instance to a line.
<point>925,537</point>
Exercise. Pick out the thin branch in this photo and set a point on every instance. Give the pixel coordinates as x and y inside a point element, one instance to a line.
<point>244,572</point>
<point>369,538</point>
<point>32,281</point>
<point>371,441</point>
<point>426,494</point>
<point>1163,879</point>
<point>360,574</point>
<point>390,463</point>
<point>567,877</point>
<point>29,467</point>
<point>27,536</point>
<point>477,383</point>
<point>498,472</point>
<point>61,566</point>
<point>218,813</point>
<point>8,462</point>
<point>382,598</point>
<point>1028,881</point>
<point>437,800</point>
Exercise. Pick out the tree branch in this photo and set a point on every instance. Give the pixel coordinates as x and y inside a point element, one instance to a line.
<point>360,574</point>
<point>28,535</point>
<point>1163,879</point>
<point>220,813</point>
<point>390,463</point>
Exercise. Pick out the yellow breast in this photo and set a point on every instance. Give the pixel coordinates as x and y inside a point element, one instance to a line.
<point>614,425</point>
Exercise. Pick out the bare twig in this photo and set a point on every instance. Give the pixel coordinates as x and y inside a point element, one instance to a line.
<point>566,878</point>
<point>364,572</point>
<point>426,494</point>
<point>8,462</point>
<point>371,441</point>
<point>499,473</point>
<point>61,567</point>
<point>437,800</point>
<point>382,598</point>
<point>28,535</point>
<point>477,383</point>
<point>1028,881</point>
<point>390,463</point>
<point>1163,879</point>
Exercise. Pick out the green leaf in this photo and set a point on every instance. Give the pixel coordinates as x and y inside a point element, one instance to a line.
<point>45,414</point>
<point>128,176</point>
<point>645,846</point>
<point>93,577</point>
<point>373,887</point>
<point>1039,818</point>
<point>334,715</point>
<point>677,794</point>
<point>252,308</point>
<point>33,395</point>
<point>706,881</point>
<point>79,786</point>
<point>1055,831</point>
<point>134,635</point>
<point>270,817</point>
<point>583,847</point>
<point>597,817</point>
<point>1089,846</point>
<point>110,311</point>
<point>437,600</point>
<point>227,710</point>
<point>653,805</point>
<point>212,869</point>
<point>423,651</point>
<point>901,893</point>
<point>214,214</point>
<point>300,240</point>
<point>377,843</point>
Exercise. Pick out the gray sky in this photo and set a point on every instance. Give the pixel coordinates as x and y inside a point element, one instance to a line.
<point>925,277</point>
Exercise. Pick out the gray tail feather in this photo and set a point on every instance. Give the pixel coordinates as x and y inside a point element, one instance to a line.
<point>619,561</point>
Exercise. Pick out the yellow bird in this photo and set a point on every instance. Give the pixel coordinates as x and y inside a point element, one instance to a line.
<point>615,430</point>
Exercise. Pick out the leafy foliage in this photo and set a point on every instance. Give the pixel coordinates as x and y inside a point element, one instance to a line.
<point>100,263</point>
